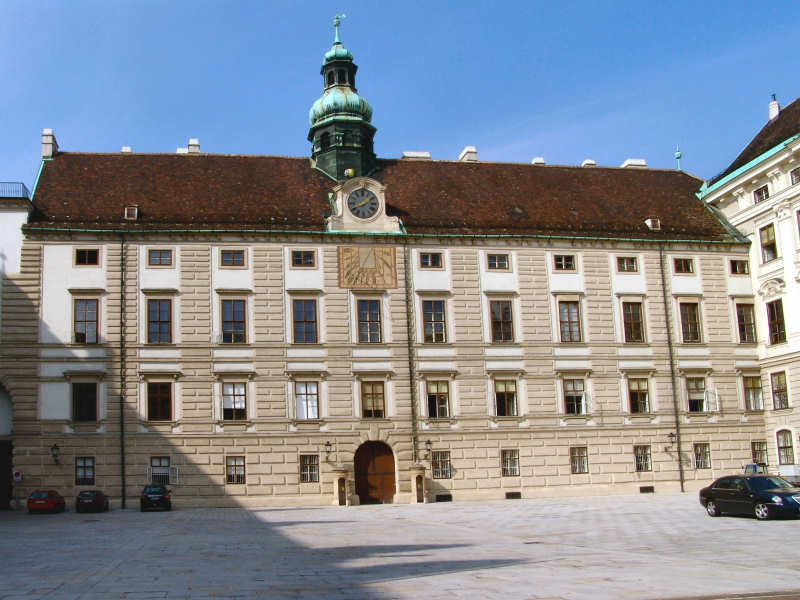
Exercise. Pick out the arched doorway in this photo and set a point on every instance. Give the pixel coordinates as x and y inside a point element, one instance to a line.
<point>374,470</point>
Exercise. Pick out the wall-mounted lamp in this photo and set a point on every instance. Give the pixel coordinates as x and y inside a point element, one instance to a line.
<point>328,449</point>
<point>428,447</point>
<point>670,441</point>
<point>55,452</point>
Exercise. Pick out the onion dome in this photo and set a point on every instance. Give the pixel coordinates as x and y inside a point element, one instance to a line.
<point>339,101</point>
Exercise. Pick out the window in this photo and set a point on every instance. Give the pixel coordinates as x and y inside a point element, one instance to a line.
<point>232,258</point>
<point>373,405</point>
<point>87,257</point>
<point>794,176</point>
<point>760,194</point>
<point>159,470</point>
<point>638,395</point>
<point>633,322</point>
<point>306,396</point>
<point>430,260</point>
<point>564,262</point>
<point>369,321</point>
<point>569,320</point>
<point>759,452</point>
<point>777,328</point>
<point>304,315</point>
<point>702,456</point>
<point>234,469</point>
<point>303,258</point>
<point>780,394</point>
<point>433,323</point>
<point>234,401</point>
<point>510,463</point>
<point>440,464</point>
<point>84,401</point>
<point>159,258</point>
<point>159,321</point>
<point>684,265</point>
<point>579,459</point>
<point>159,401</point>
<point>498,262</point>
<point>574,400</point>
<point>627,264</point>
<point>769,247</point>
<point>309,468</point>
<point>696,390</point>
<point>740,267</point>
<point>233,322</point>
<point>85,321</point>
<point>745,318</point>
<point>84,470</point>
<point>438,399</point>
<point>785,447</point>
<point>505,398</point>
<point>642,457</point>
<point>502,321</point>
<point>690,322</point>
<point>752,393</point>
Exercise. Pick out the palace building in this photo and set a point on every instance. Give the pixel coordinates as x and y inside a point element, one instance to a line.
<point>261,330</point>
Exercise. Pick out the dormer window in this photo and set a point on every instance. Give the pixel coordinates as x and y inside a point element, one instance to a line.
<point>760,194</point>
<point>131,213</point>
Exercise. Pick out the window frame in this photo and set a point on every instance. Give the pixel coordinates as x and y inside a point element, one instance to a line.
<point>437,399</point>
<point>233,252</point>
<point>575,400</point>
<point>565,262</point>
<point>769,250</point>
<point>682,265</point>
<point>794,176</point>
<point>368,389</point>
<point>86,263</point>
<point>502,330</point>
<point>300,318</point>
<point>785,450</point>
<point>629,324</point>
<point>761,193</point>
<point>75,320</point>
<point>643,458</point>
<point>155,396</point>
<point>693,389</point>
<point>734,265</point>
<point>84,414</point>
<point>746,322</point>
<point>233,333</point>
<point>237,414</point>
<point>509,462</point>
<point>159,321</point>
<point>309,468</point>
<point>760,451</point>
<point>691,330</point>
<point>776,322</point>
<point>164,474</point>
<point>643,406</point>
<point>441,465</point>
<point>749,395</point>
<point>702,455</point>
<point>579,460</point>
<point>235,470</point>
<point>498,261</point>
<point>85,465</point>
<point>297,395</point>
<point>302,253</point>
<point>574,327</point>
<point>624,262</point>
<point>431,261</point>
<point>501,391</point>
<point>371,326</point>
<point>779,389</point>
<point>159,264</point>
<point>432,322</point>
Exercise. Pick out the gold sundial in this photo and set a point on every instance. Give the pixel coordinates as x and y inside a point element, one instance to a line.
<point>367,267</point>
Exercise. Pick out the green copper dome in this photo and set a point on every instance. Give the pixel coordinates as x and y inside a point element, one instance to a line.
<point>337,52</point>
<point>339,101</point>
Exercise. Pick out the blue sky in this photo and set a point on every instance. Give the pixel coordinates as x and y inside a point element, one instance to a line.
<point>562,80</point>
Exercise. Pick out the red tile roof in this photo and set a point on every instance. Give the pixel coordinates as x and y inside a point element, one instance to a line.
<point>206,191</point>
<point>778,130</point>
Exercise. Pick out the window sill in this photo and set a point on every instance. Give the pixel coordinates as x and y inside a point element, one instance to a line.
<point>781,408</point>
<point>171,423</point>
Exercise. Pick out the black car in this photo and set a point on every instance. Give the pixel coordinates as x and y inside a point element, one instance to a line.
<point>154,497</point>
<point>91,501</point>
<point>763,496</point>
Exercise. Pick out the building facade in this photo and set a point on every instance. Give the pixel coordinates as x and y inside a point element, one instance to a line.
<point>759,193</point>
<point>257,330</point>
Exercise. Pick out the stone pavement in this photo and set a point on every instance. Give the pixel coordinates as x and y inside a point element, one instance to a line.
<point>622,547</point>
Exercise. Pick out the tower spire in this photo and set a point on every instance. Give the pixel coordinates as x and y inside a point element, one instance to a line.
<point>337,19</point>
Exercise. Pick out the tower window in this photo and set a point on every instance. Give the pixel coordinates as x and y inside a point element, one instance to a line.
<point>341,76</point>
<point>325,139</point>
<point>331,78</point>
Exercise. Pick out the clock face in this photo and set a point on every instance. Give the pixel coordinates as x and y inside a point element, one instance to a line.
<point>362,203</point>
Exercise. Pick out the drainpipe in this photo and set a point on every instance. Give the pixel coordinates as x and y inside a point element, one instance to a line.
<point>412,373</point>
<point>675,404</point>
<point>122,363</point>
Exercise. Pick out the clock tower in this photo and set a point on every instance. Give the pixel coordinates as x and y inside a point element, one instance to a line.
<point>341,133</point>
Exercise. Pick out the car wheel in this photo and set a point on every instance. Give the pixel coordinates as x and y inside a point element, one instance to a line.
<point>761,511</point>
<point>711,509</point>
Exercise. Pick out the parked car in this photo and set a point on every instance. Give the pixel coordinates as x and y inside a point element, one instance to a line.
<point>763,496</point>
<point>91,501</point>
<point>153,497</point>
<point>46,500</point>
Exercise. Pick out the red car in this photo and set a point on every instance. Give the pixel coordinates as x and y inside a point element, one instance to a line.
<point>91,501</point>
<point>46,500</point>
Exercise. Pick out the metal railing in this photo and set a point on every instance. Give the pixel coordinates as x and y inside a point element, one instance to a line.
<point>13,189</point>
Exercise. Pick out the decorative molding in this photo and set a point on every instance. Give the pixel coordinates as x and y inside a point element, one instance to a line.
<point>772,288</point>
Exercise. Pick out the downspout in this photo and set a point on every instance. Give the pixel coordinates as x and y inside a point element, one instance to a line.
<point>122,363</point>
<point>675,404</point>
<point>412,372</point>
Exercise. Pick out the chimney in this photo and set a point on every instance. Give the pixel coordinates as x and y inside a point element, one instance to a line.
<point>181,151</point>
<point>126,150</point>
<point>49,143</point>
<point>774,108</point>
<point>634,163</point>
<point>589,162</point>
<point>537,160</point>
<point>194,146</point>
<point>468,154</point>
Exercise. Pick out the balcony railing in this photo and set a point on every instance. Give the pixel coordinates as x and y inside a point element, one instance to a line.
<point>13,189</point>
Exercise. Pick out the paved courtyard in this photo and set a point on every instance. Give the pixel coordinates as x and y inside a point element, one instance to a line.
<point>622,547</point>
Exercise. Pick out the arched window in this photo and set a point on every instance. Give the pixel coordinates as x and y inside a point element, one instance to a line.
<point>325,141</point>
<point>785,447</point>
<point>331,78</point>
<point>341,76</point>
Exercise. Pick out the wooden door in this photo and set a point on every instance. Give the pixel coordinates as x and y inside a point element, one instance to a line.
<point>374,470</point>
